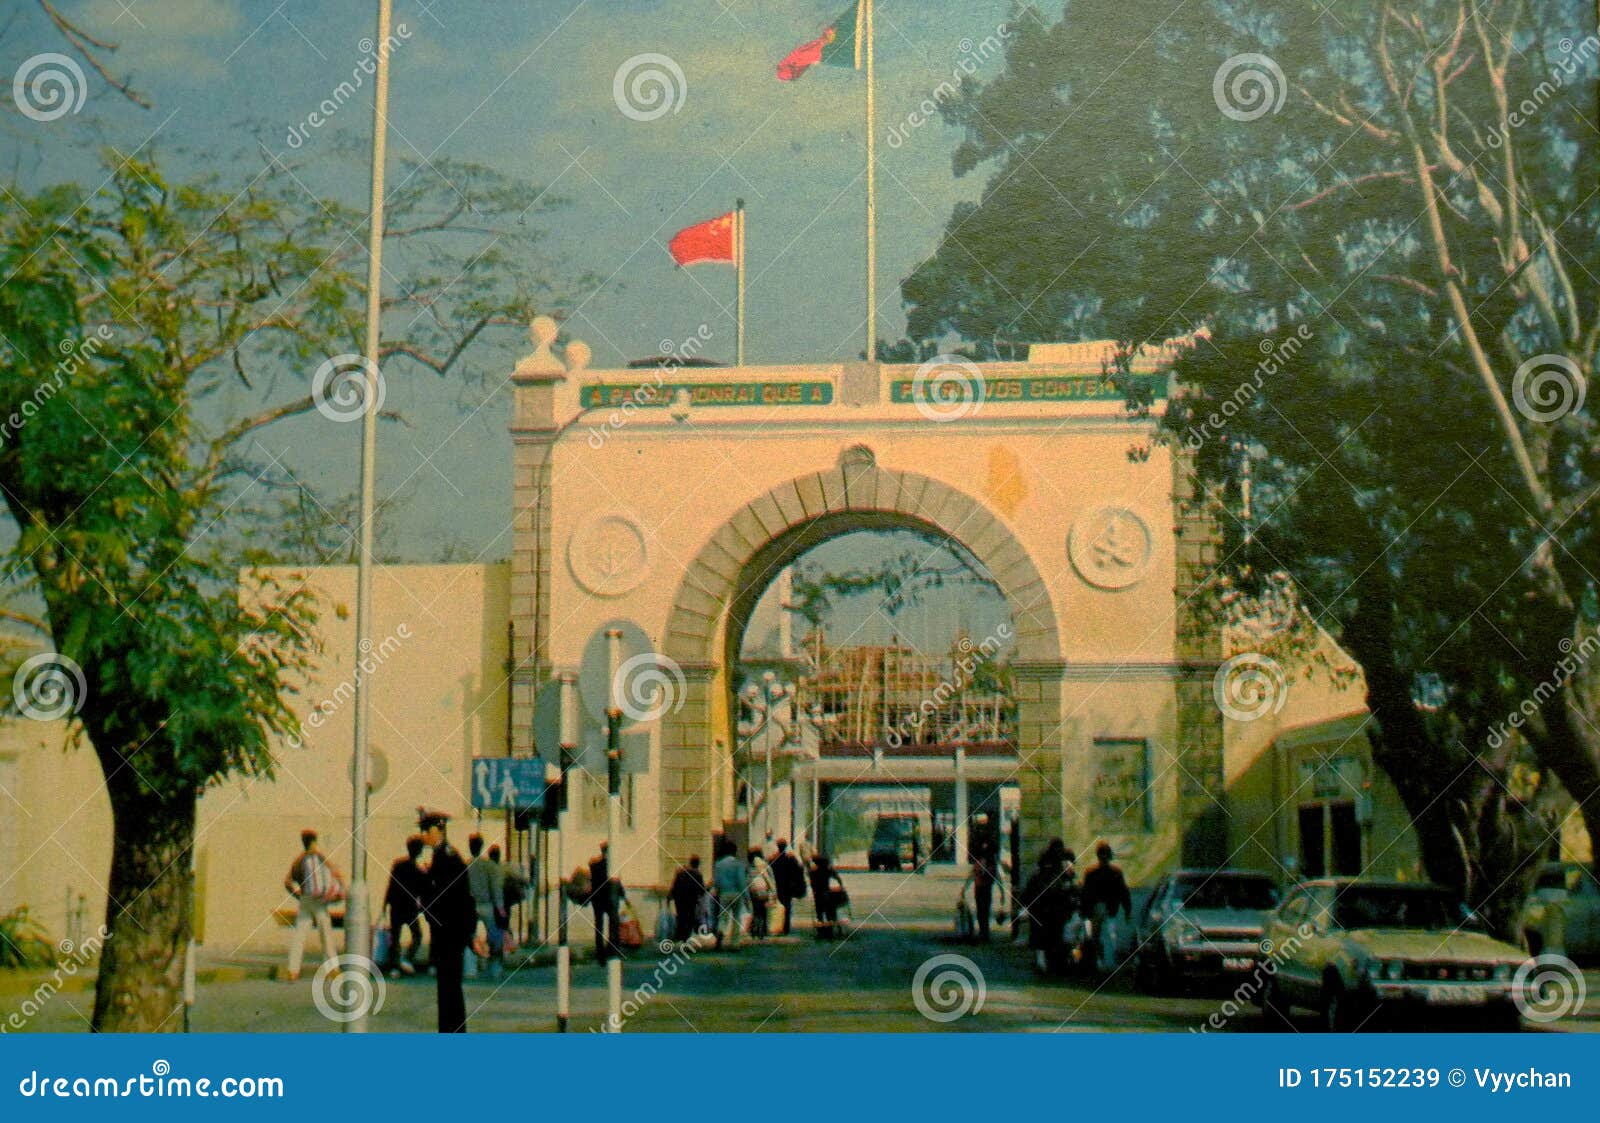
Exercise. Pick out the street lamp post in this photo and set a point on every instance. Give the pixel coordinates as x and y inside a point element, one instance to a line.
<point>357,923</point>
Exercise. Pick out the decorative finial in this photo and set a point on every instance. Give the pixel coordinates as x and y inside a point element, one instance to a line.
<point>578,356</point>
<point>542,331</point>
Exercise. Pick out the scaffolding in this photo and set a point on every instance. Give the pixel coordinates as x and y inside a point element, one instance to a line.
<point>896,695</point>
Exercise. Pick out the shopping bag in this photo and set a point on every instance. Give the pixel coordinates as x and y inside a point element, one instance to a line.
<point>380,946</point>
<point>665,928</point>
<point>965,925</point>
<point>630,933</point>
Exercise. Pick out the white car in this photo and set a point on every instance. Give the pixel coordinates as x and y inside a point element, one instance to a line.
<point>1350,948</point>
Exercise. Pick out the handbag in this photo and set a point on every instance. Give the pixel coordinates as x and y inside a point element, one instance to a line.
<point>630,933</point>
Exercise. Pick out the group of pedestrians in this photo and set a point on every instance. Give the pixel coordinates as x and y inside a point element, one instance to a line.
<point>460,901</point>
<point>742,891</point>
<point>1072,923</point>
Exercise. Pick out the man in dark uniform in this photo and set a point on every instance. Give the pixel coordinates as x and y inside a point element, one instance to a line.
<point>452,918</point>
<point>789,880</point>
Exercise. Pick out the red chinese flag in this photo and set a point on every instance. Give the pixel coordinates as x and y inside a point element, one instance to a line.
<point>706,241</point>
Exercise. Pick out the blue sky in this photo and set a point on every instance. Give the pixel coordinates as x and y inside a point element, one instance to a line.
<point>526,86</point>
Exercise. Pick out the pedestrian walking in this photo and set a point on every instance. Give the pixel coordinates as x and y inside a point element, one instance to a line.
<point>403,899</point>
<point>1049,899</point>
<point>826,899</point>
<point>315,884</point>
<point>760,893</point>
<point>688,889</point>
<point>605,897</point>
<point>487,881</point>
<point>730,879</point>
<point>789,882</point>
<point>452,918</point>
<point>1105,899</point>
<point>985,872</point>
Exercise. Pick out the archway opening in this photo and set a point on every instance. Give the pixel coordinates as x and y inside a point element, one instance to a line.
<point>871,699</point>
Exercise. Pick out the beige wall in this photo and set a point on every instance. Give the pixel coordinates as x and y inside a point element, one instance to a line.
<point>55,827</point>
<point>439,699</point>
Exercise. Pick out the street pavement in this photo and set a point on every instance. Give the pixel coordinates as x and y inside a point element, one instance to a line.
<point>867,981</point>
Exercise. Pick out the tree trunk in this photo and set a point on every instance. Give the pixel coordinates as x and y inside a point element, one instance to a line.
<point>148,912</point>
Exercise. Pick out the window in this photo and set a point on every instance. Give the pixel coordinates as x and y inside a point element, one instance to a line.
<point>1120,793</point>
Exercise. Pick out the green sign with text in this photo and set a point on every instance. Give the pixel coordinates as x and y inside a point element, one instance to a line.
<point>1051,388</point>
<point>598,395</point>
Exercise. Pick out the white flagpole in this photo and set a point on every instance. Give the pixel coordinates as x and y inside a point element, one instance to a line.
<point>872,187</point>
<point>738,252</point>
<point>357,926</point>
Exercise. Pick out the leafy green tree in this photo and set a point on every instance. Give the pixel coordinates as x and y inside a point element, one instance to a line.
<point>1381,220</point>
<point>132,318</point>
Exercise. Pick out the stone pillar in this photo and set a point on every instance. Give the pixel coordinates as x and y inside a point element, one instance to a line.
<point>1202,781</point>
<point>963,808</point>
<point>534,430</point>
<point>688,781</point>
<point>1039,751</point>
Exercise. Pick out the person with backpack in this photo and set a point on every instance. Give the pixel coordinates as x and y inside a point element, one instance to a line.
<point>789,880</point>
<point>315,884</point>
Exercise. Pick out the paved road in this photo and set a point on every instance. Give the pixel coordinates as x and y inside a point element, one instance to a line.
<point>862,983</point>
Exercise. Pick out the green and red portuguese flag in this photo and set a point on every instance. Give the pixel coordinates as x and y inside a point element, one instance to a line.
<point>839,45</point>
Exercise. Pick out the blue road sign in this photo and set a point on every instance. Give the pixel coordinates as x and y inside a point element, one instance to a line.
<point>508,782</point>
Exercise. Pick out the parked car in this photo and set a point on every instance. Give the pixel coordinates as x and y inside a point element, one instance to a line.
<point>1562,914</point>
<point>1202,925</point>
<point>1350,948</point>
<point>896,843</point>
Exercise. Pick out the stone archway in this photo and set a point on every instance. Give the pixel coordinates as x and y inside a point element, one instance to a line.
<point>738,562</point>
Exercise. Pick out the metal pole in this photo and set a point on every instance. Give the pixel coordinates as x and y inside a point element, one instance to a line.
<point>569,743</point>
<point>357,924</point>
<point>613,822</point>
<point>872,194</point>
